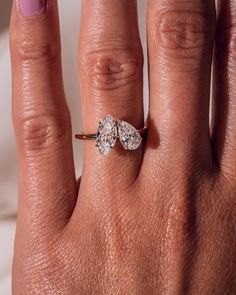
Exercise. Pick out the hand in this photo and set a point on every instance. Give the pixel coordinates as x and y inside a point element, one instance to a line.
<point>158,220</point>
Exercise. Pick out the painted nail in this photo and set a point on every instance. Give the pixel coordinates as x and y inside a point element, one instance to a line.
<point>30,8</point>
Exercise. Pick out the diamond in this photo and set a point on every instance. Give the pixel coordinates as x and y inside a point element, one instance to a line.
<point>106,135</point>
<point>129,136</point>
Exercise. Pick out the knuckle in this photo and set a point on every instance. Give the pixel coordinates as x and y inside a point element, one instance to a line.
<point>42,132</point>
<point>35,51</point>
<point>185,32</point>
<point>111,70</point>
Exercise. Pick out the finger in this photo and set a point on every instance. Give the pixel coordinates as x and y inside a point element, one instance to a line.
<point>224,130</point>
<point>180,37</point>
<point>40,115</point>
<point>110,66</point>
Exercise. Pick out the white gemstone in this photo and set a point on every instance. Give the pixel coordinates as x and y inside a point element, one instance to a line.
<point>129,136</point>
<point>106,135</point>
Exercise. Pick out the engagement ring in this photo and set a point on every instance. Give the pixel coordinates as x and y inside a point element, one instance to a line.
<point>109,130</point>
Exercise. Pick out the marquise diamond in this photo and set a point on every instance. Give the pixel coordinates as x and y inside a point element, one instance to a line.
<point>106,135</point>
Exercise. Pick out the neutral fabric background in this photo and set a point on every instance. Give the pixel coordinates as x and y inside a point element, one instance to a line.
<point>70,21</point>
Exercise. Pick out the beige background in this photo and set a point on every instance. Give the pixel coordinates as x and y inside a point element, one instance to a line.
<point>70,18</point>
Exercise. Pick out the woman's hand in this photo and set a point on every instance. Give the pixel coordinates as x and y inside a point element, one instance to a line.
<point>158,220</point>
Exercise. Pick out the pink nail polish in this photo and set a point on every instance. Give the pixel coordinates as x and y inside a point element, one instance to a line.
<point>30,8</point>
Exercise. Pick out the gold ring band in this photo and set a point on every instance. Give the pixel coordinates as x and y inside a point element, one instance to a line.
<point>93,136</point>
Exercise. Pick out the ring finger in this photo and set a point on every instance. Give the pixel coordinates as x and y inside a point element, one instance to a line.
<point>110,68</point>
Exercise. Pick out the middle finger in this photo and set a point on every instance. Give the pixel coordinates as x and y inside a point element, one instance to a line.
<point>180,35</point>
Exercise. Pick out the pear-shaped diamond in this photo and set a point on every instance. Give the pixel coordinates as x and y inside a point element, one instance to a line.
<point>129,136</point>
<point>106,135</point>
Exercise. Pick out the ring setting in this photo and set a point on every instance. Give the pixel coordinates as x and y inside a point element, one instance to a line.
<point>109,130</point>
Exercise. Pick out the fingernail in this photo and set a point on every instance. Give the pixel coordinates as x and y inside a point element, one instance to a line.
<point>30,8</point>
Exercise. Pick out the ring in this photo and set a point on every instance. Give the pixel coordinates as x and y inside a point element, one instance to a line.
<point>109,130</point>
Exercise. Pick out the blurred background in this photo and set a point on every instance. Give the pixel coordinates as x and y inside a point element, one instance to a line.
<point>70,21</point>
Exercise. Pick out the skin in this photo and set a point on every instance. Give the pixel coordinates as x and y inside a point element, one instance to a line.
<point>158,220</point>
